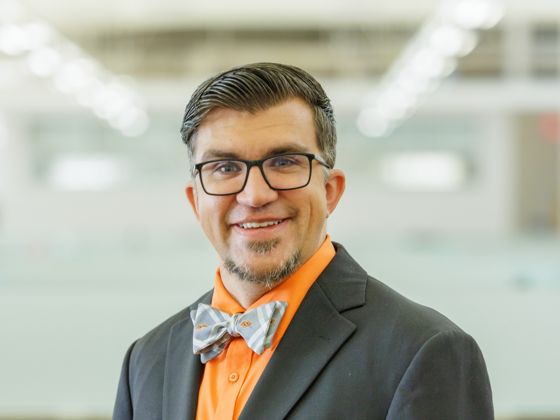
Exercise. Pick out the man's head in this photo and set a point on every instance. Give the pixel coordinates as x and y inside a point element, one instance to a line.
<point>256,87</point>
<point>261,229</point>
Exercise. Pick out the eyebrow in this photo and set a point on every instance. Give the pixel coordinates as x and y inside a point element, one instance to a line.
<point>218,154</point>
<point>211,154</point>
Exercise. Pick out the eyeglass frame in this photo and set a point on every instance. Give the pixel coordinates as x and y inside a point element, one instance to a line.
<point>259,164</point>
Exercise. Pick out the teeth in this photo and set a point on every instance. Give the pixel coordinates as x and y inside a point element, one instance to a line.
<point>258,225</point>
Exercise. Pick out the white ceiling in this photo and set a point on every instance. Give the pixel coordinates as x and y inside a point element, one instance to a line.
<point>87,15</point>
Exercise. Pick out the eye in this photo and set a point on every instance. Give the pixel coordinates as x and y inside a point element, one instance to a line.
<point>284,161</point>
<point>224,167</point>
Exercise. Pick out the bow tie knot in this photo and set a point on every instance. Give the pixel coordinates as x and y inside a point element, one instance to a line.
<point>214,329</point>
<point>233,325</point>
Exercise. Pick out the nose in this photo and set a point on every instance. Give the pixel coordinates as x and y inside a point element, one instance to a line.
<point>256,193</point>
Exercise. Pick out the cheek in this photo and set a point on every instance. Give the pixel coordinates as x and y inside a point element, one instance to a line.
<point>215,214</point>
<point>318,201</point>
<point>315,210</point>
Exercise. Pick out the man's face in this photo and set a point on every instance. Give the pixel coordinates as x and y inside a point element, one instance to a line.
<point>299,215</point>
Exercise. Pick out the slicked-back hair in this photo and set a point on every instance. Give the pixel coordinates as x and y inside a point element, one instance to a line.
<point>257,87</point>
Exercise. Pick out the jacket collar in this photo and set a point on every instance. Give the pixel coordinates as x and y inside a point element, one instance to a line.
<point>344,281</point>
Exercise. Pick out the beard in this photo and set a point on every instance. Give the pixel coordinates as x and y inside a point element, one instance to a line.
<point>267,277</point>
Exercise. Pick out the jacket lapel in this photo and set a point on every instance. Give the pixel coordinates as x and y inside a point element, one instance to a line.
<point>183,371</point>
<point>316,333</point>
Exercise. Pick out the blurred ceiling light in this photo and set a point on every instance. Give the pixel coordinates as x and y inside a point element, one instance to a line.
<point>428,64</point>
<point>74,75</point>
<point>13,39</point>
<point>397,101</point>
<point>17,39</point>
<point>423,171</point>
<point>129,119</point>
<point>453,41</point>
<point>113,101</point>
<point>73,72</point>
<point>88,94</point>
<point>429,57</point>
<point>476,14</point>
<point>43,62</point>
<point>85,173</point>
<point>114,107</point>
<point>37,34</point>
<point>372,124</point>
<point>139,127</point>
<point>409,82</point>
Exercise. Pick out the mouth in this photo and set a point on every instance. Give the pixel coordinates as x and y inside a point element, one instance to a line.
<point>260,237</point>
<point>256,229</point>
<point>259,225</point>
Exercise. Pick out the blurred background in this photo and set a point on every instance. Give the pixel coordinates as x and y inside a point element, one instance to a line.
<point>449,131</point>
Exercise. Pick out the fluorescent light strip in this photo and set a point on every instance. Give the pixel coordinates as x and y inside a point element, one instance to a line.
<point>430,57</point>
<point>85,173</point>
<point>423,171</point>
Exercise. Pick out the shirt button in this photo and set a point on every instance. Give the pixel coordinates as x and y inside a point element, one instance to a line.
<point>233,377</point>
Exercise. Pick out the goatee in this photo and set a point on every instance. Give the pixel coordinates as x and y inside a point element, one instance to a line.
<point>268,277</point>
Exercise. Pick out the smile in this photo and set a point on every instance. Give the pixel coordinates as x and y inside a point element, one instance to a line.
<point>256,225</point>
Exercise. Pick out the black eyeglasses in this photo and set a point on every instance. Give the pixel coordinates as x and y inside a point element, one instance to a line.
<point>287,171</point>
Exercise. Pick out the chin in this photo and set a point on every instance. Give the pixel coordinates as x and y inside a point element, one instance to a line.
<point>269,273</point>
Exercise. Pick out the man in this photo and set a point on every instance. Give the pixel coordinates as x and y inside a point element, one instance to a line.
<point>297,329</point>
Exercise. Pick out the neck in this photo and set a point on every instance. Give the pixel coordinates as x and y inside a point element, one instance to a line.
<point>244,292</point>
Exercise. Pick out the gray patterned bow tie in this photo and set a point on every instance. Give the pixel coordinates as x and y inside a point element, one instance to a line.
<point>213,329</point>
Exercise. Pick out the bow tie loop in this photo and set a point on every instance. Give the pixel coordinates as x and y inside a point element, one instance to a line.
<point>213,329</point>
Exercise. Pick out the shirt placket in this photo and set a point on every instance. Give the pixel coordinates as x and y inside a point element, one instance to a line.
<point>238,362</point>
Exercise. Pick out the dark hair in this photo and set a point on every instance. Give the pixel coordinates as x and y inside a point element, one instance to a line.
<point>257,87</point>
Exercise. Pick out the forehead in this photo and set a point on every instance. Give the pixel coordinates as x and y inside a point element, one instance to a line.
<point>288,125</point>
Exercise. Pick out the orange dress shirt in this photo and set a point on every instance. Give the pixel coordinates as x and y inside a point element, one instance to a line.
<point>229,379</point>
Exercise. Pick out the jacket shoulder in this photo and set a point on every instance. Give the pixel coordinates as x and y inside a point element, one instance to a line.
<point>379,311</point>
<point>400,341</point>
<point>402,311</point>
<point>351,289</point>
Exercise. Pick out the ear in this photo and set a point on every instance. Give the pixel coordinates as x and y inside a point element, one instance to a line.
<point>191,196</point>
<point>334,188</point>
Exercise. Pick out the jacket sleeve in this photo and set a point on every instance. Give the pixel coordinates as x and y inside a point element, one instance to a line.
<point>123,409</point>
<point>446,379</point>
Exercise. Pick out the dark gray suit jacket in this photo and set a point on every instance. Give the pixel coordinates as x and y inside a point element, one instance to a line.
<point>355,349</point>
